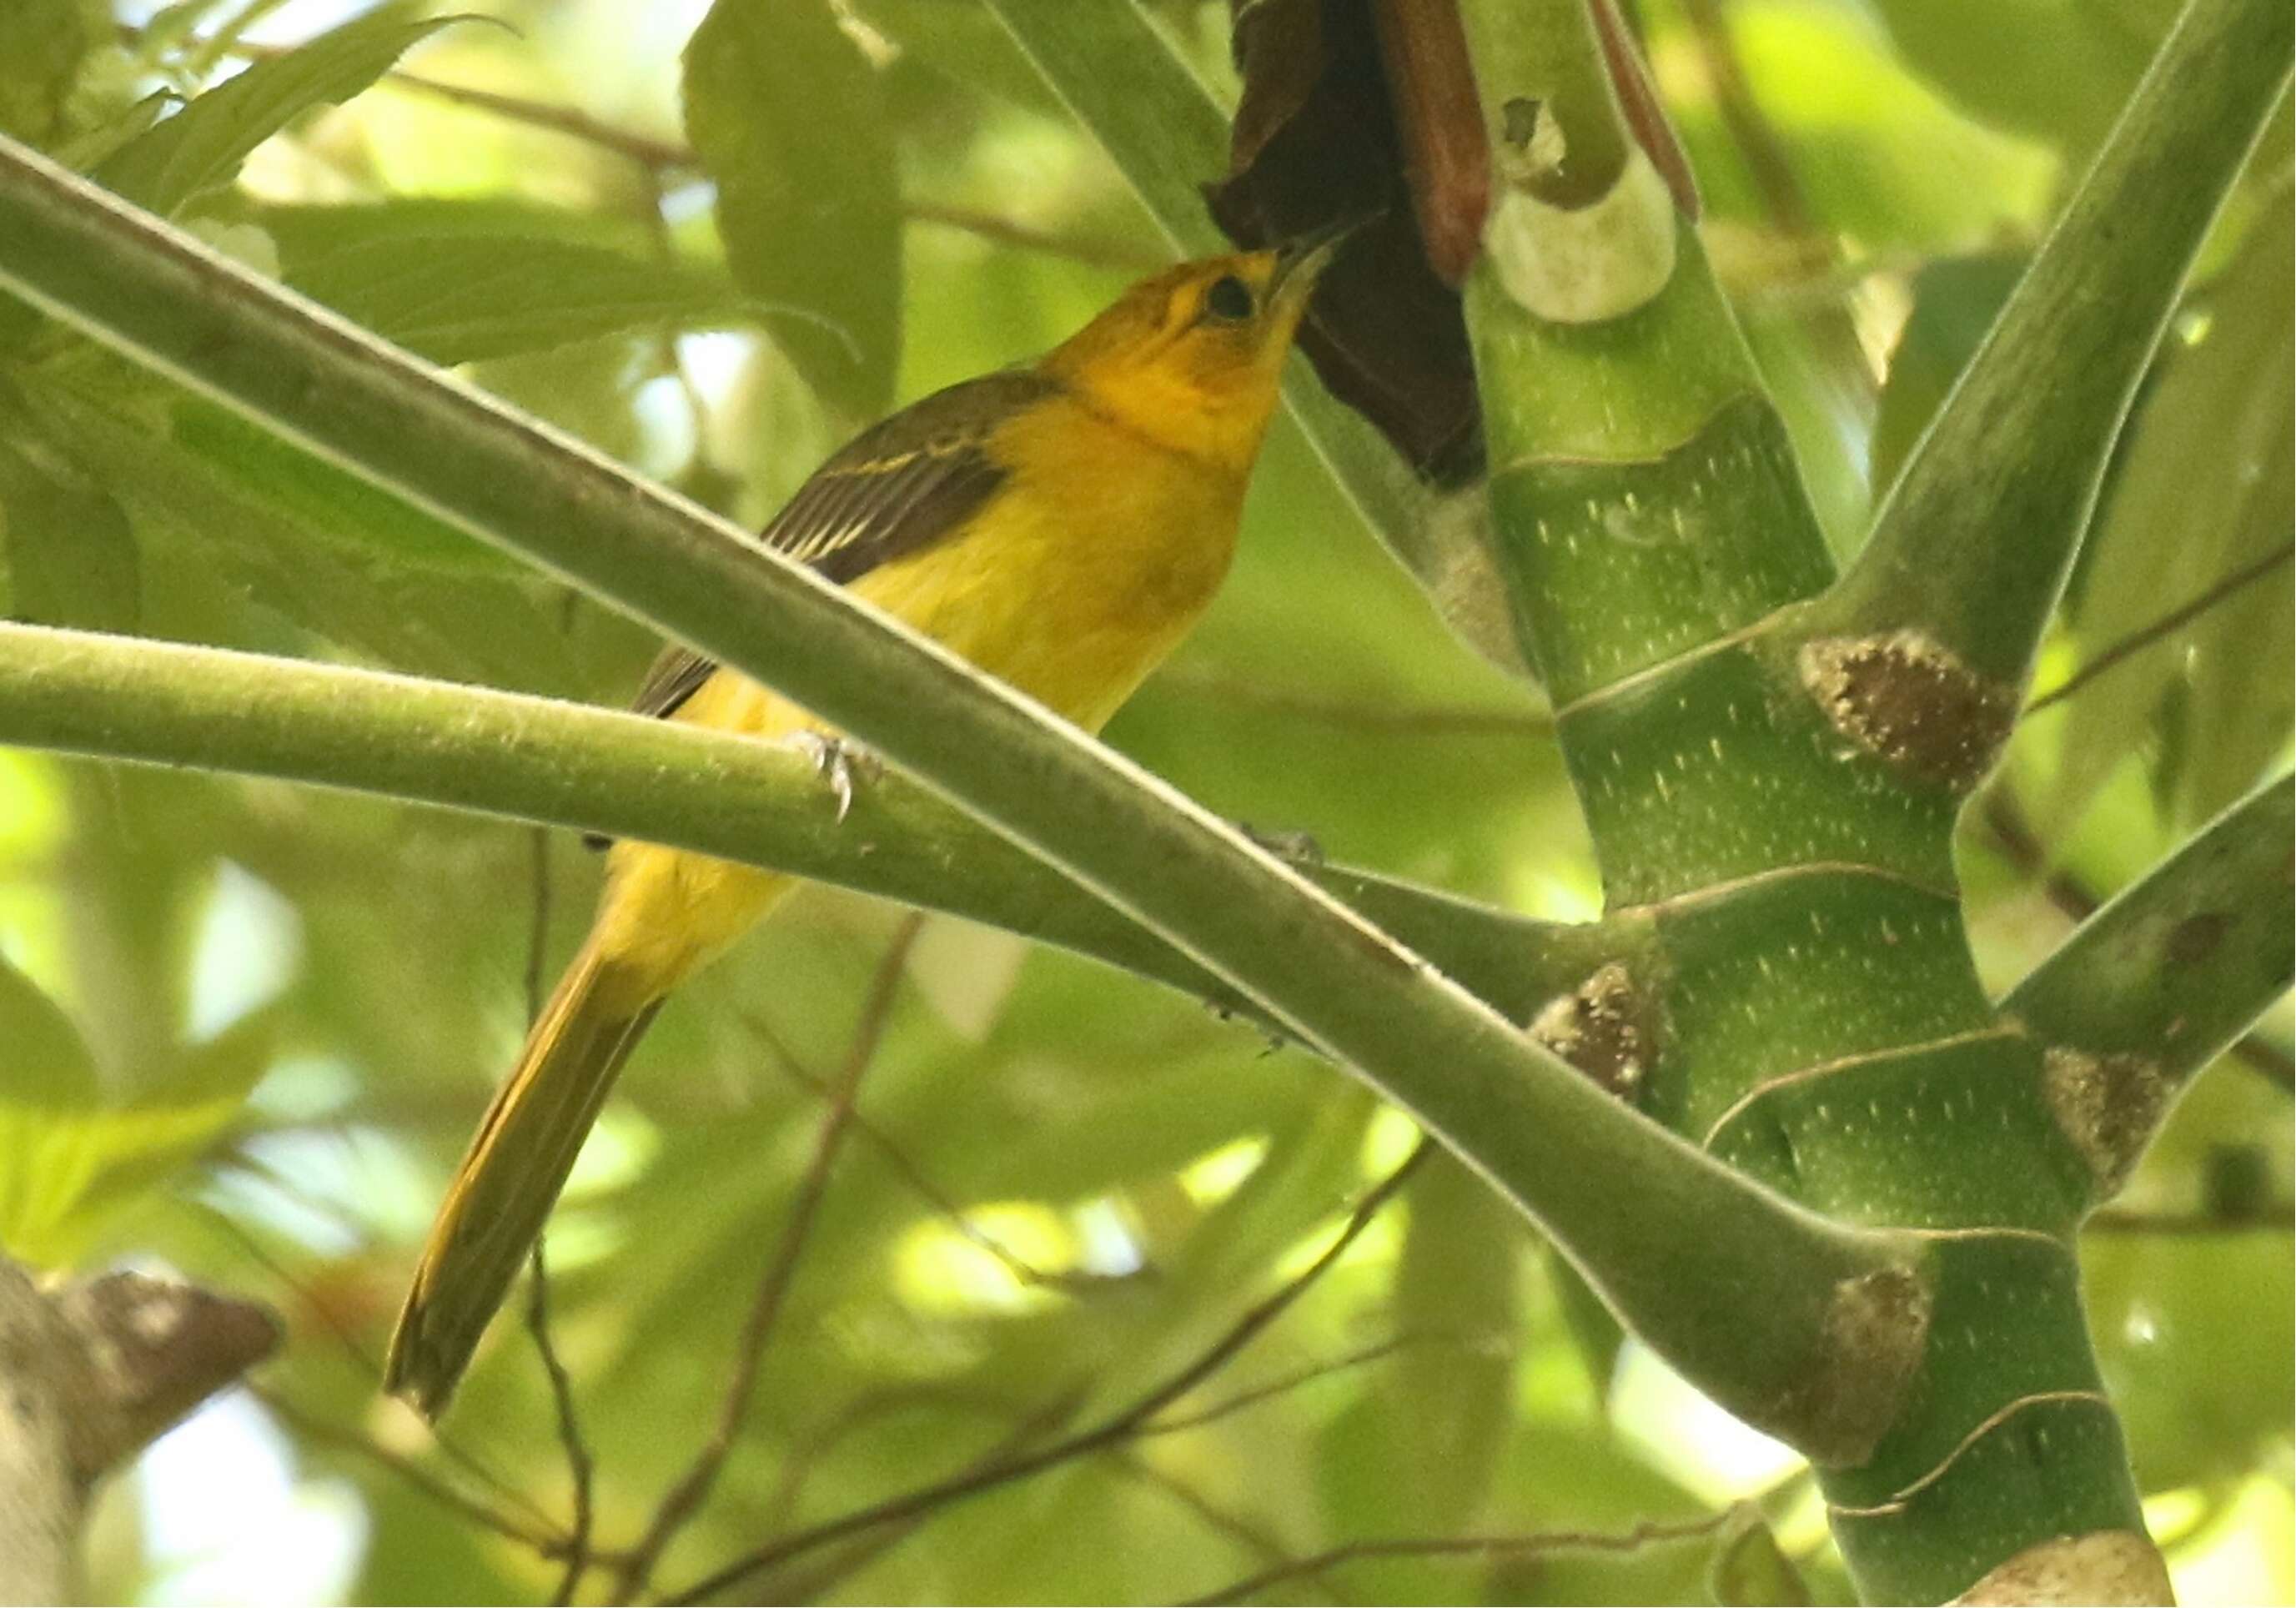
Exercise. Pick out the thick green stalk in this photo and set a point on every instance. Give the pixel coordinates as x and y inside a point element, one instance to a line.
<point>1116,71</point>
<point>1751,1304</point>
<point>600,770</point>
<point>2156,984</point>
<point>1972,548</point>
<point>1778,804</point>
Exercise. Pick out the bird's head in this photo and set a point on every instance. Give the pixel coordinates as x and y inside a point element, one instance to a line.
<point>1192,357</point>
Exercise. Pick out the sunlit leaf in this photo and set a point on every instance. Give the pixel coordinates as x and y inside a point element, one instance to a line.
<point>461,299</point>
<point>808,206</point>
<point>70,1154</point>
<point>72,557</point>
<point>203,144</point>
<point>41,44</point>
<point>2203,491</point>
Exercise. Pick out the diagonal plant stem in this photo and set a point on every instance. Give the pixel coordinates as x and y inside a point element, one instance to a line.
<point>1972,545</point>
<point>1118,1427</point>
<point>2014,835</point>
<point>1464,1546</point>
<point>683,1499</point>
<point>608,771</point>
<point>1749,1308</point>
<point>2156,984</point>
<point>920,1183</point>
<point>2175,620</point>
<point>313,1428</point>
<point>579,1464</point>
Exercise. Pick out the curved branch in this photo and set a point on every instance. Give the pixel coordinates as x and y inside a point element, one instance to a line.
<point>597,770</point>
<point>1974,544</point>
<point>1750,1306</point>
<point>2162,980</point>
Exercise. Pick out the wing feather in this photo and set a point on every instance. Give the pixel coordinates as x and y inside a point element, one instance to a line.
<point>894,489</point>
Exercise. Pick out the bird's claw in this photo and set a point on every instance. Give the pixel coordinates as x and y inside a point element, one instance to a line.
<point>838,761</point>
<point>1300,848</point>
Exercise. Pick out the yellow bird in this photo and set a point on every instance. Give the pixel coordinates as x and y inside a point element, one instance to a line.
<point>1060,525</point>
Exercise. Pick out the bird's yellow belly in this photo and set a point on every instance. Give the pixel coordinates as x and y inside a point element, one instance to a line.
<point>1073,603</point>
<point>1076,602</point>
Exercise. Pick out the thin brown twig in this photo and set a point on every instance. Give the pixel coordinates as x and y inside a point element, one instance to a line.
<point>813,1442</point>
<point>1220,1520</point>
<point>1758,143</point>
<point>312,1427</point>
<point>1286,1383</point>
<point>1454,1546</point>
<point>1011,232</point>
<point>1110,1431</point>
<point>653,155</point>
<point>919,1183</point>
<point>684,1498</point>
<point>868,1548</point>
<point>660,157</point>
<point>579,1465</point>
<point>363,1361</point>
<point>2145,635</point>
<point>2280,1220</point>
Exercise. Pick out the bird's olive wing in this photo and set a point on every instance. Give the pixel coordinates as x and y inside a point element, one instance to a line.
<point>896,487</point>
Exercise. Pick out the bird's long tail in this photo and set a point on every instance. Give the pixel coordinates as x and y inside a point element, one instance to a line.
<point>511,1176</point>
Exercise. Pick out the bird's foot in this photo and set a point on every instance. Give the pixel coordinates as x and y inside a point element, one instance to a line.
<point>1300,848</point>
<point>840,760</point>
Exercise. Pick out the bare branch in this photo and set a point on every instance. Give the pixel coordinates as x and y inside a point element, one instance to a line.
<point>686,1497</point>
<point>313,1428</point>
<point>579,1464</point>
<point>920,1182</point>
<point>2175,620</point>
<point>1465,1547</point>
<point>1110,1431</point>
<point>1286,1383</point>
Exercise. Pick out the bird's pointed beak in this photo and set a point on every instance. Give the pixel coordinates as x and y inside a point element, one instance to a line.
<point>1299,263</point>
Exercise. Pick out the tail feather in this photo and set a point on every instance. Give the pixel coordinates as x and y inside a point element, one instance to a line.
<point>511,1176</point>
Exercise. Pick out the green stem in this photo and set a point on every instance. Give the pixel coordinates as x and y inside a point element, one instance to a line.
<point>2159,983</point>
<point>1749,1304</point>
<point>568,765</point>
<point>1972,545</point>
<point>1117,74</point>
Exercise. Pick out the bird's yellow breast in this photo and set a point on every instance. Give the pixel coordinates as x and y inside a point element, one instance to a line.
<point>1085,569</point>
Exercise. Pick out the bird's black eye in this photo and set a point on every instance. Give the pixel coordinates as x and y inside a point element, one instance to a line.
<point>1229,299</point>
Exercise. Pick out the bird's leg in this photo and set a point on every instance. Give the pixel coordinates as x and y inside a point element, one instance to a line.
<point>839,760</point>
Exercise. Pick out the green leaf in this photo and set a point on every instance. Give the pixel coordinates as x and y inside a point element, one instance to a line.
<point>338,509</point>
<point>68,1158</point>
<point>1878,156</point>
<point>808,204</point>
<point>1749,1566</point>
<point>2061,70</point>
<point>71,557</point>
<point>2203,490</point>
<point>964,42</point>
<point>1956,300</point>
<point>465,299</point>
<point>46,1062</point>
<point>329,555</point>
<point>203,144</point>
<point>42,43</point>
<point>1449,1403</point>
<point>307,236</point>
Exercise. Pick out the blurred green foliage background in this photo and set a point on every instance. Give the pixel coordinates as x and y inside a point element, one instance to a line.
<point>249,1028</point>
